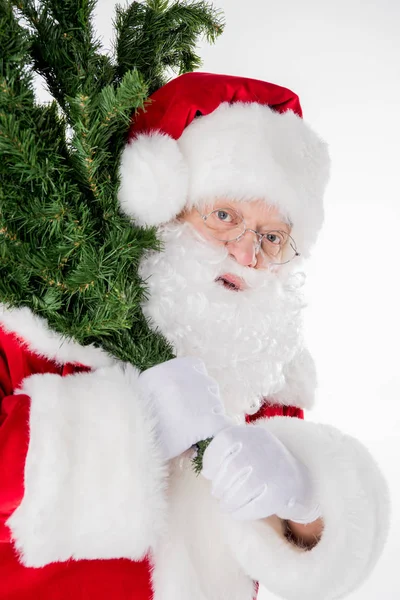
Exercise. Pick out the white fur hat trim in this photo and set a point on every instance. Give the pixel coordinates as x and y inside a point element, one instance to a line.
<point>241,151</point>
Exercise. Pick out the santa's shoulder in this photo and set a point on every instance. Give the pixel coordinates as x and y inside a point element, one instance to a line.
<point>24,333</point>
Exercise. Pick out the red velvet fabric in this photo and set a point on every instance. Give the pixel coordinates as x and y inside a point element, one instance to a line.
<point>269,410</point>
<point>117,579</point>
<point>174,106</point>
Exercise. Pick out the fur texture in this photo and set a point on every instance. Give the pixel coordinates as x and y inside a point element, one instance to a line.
<point>300,382</point>
<point>94,476</point>
<point>35,333</point>
<point>240,151</point>
<point>154,179</point>
<point>193,560</point>
<point>354,502</point>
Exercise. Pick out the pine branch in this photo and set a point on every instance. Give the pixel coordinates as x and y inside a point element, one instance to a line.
<point>64,48</point>
<point>99,126</point>
<point>66,251</point>
<point>197,461</point>
<point>157,35</point>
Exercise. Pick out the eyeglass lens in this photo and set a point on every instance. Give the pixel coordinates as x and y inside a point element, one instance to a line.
<point>227,225</point>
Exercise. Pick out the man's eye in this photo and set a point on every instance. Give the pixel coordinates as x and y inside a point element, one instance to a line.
<point>274,238</point>
<point>224,216</point>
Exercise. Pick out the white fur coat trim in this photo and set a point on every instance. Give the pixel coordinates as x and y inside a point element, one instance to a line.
<point>354,502</point>
<point>300,382</point>
<point>39,338</point>
<point>94,477</point>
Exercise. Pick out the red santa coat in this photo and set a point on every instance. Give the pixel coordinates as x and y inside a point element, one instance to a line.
<point>49,551</point>
<point>114,578</point>
<point>119,578</point>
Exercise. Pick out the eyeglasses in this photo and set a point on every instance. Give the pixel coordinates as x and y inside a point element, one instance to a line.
<point>226,225</point>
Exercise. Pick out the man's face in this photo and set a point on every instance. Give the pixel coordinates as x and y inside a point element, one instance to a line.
<point>244,338</point>
<point>256,215</point>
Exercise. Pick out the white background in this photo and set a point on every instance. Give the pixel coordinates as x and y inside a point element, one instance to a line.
<point>343,59</point>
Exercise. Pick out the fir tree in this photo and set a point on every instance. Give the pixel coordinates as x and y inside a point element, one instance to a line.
<point>66,251</point>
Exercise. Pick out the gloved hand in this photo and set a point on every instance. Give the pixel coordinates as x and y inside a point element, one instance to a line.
<point>185,402</point>
<point>255,476</point>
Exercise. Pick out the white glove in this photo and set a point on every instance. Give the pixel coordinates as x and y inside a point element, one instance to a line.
<point>255,476</point>
<point>185,402</point>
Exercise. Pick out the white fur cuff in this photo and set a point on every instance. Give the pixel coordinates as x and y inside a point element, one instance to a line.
<point>354,503</point>
<point>94,477</point>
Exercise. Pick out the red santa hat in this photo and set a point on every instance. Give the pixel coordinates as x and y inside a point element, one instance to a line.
<point>204,137</point>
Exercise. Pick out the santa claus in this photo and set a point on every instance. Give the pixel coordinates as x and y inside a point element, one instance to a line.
<point>98,496</point>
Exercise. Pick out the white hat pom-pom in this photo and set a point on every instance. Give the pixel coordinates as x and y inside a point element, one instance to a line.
<point>154,179</point>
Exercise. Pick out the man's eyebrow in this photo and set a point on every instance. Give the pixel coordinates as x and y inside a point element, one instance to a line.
<point>280,221</point>
<point>278,226</point>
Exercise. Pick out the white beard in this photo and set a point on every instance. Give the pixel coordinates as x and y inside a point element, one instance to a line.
<point>244,337</point>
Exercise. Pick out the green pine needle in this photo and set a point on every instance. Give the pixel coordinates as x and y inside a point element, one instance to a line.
<point>197,461</point>
<point>66,251</point>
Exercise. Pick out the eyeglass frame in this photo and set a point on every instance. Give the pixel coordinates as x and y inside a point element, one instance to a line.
<point>259,235</point>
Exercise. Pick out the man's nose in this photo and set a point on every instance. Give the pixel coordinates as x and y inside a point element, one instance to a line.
<point>244,250</point>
